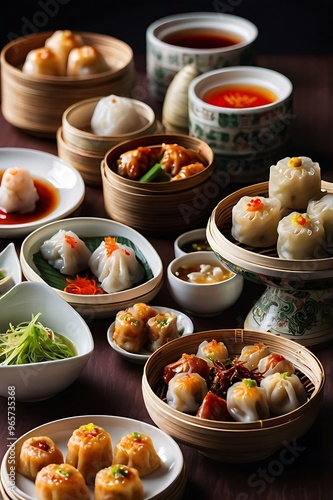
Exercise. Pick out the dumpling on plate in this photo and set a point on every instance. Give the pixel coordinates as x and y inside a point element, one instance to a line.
<point>137,450</point>
<point>161,329</point>
<point>129,332</point>
<point>17,191</point>
<point>60,482</point>
<point>37,452</point>
<point>118,482</point>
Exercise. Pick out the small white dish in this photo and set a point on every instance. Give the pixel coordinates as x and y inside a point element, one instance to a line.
<point>184,323</point>
<point>156,485</point>
<point>47,167</point>
<point>10,268</point>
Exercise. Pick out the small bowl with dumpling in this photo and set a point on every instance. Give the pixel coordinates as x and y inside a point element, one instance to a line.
<point>92,126</point>
<point>234,395</point>
<point>97,265</point>
<point>45,343</point>
<point>49,71</point>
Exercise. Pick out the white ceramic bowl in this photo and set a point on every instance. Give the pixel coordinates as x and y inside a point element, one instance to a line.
<point>203,299</point>
<point>190,237</point>
<point>96,306</point>
<point>165,59</point>
<point>37,381</point>
<point>10,265</point>
<point>242,132</point>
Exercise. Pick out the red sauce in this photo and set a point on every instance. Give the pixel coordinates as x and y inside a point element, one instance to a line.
<point>202,39</point>
<point>47,203</point>
<point>239,96</point>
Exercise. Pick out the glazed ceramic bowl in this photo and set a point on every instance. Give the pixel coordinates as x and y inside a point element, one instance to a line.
<point>231,42</point>
<point>95,306</point>
<point>230,441</point>
<point>191,241</point>
<point>244,134</point>
<point>203,299</point>
<point>37,381</point>
<point>35,103</point>
<point>10,269</point>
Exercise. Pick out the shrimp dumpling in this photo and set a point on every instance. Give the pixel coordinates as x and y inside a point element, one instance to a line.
<point>251,355</point>
<point>285,392</point>
<point>114,115</point>
<point>213,351</point>
<point>115,265</point>
<point>137,450</point>
<point>246,401</point>
<point>300,237</point>
<point>42,61</point>
<point>61,42</point>
<point>255,221</point>
<point>17,191</point>
<point>275,363</point>
<point>85,61</point>
<point>66,252</point>
<point>186,392</point>
<point>161,329</point>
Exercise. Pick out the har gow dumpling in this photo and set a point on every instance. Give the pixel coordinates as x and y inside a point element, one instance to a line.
<point>247,402</point>
<point>186,392</point>
<point>115,265</point>
<point>275,363</point>
<point>86,60</point>
<point>61,42</point>
<point>17,191</point>
<point>285,392</point>
<point>42,61</point>
<point>213,351</point>
<point>115,115</point>
<point>251,355</point>
<point>300,237</point>
<point>66,252</point>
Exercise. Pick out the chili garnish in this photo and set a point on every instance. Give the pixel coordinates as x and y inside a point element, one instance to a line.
<point>111,245</point>
<point>254,205</point>
<point>300,219</point>
<point>82,285</point>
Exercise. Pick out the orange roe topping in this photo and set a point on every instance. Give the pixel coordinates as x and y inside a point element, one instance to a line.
<point>110,245</point>
<point>254,205</point>
<point>70,240</point>
<point>82,285</point>
<point>300,220</point>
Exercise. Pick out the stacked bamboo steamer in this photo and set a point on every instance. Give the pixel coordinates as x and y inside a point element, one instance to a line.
<point>36,103</point>
<point>153,207</point>
<point>83,149</point>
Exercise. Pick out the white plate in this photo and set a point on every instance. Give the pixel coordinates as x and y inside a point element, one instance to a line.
<point>184,323</point>
<point>61,430</point>
<point>52,169</point>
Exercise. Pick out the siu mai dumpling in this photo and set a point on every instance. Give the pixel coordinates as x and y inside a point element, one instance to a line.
<point>115,265</point>
<point>89,450</point>
<point>137,450</point>
<point>36,453</point>
<point>118,482</point>
<point>61,42</point>
<point>213,351</point>
<point>251,355</point>
<point>129,332</point>
<point>294,181</point>
<point>186,392</point>
<point>114,115</point>
<point>66,252</point>
<point>247,402</point>
<point>285,392</point>
<point>161,329</point>
<point>255,221</point>
<point>85,61</point>
<point>300,237</point>
<point>42,61</point>
<point>142,311</point>
<point>17,191</point>
<point>275,363</point>
<point>322,210</point>
<point>59,482</point>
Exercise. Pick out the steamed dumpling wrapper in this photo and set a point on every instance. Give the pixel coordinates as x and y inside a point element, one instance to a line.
<point>300,237</point>
<point>115,266</point>
<point>285,392</point>
<point>115,115</point>
<point>17,191</point>
<point>247,402</point>
<point>186,392</point>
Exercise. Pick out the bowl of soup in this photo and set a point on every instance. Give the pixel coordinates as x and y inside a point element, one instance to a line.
<point>245,114</point>
<point>201,285</point>
<point>209,39</point>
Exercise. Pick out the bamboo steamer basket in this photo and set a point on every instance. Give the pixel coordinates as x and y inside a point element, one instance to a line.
<point>84,150</point>
<point>234,442</point>
<point>36,103</point>
<point>160,206</point>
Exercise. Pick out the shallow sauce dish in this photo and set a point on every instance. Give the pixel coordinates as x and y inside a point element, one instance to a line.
<point>10,266</point>
<point>156,485</point>
<point>51,169</point>
<point>184,324</point>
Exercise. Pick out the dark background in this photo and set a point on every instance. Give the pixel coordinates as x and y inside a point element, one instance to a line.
<point>285,27</point>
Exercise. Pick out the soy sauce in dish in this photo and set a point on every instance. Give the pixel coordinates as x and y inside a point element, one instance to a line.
<point>202,39</point>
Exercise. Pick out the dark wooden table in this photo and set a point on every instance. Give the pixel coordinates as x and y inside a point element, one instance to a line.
<point>111,385</point>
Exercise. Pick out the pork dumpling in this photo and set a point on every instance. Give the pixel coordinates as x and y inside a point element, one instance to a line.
<point>17,191</point>
<point>255,221</point>
<point>275,363</point>
<point>129,332</point>
<point>213,351</point>
<point>247,402</point>
<point>294,181</point>
<point>89,450</point>
<point>42,61</point>
<point>300,237</point>
<point>251,355</point>
<point>61,42</point>
<point>137,450</point>
<point>285,392</point>
<point>142,311</point>
<point>114,115</point>
<point>322,210</point>
<point>175,156</point>
<point>115,265</point>
<point>85,61</point>
<point>161,329</point>
<point>118,482</point>
<point>188,363</point>
<point>59,482</point>
<point>36,453</point>
<point>186,392</point>
<point>66,252</point>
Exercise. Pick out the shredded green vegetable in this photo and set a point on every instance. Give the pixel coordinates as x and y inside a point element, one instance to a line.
<point>31,342</point>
